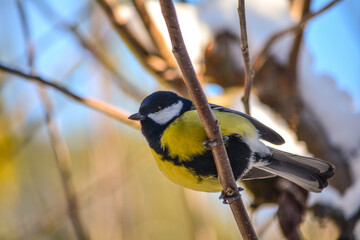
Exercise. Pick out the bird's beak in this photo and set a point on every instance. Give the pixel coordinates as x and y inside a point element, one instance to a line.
<point>137,117</point>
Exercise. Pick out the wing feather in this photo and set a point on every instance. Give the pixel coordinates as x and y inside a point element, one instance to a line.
<point>265,132</point>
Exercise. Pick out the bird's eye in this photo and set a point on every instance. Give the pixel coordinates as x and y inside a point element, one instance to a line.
<point>159,108</point>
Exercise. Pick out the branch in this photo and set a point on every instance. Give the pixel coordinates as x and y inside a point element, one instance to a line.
<point>249,73</point>
<point>106,108</point>
<point>154,33</point>
<point>262,56</point>
<point>211,124</point>
<point>59,146</point>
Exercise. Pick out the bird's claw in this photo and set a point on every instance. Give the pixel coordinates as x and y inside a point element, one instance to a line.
<point>227,199</point>
<point>208,144</point>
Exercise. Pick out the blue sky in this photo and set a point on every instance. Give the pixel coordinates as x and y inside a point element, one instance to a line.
<point>334,40</point>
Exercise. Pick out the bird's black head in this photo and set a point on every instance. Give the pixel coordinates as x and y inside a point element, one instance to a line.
<point>157,111</point>
<point>161,107</point>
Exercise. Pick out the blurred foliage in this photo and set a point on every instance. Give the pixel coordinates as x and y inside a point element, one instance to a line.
<point>8,173</point>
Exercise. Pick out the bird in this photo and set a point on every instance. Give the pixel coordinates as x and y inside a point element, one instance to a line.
<point>178,141</point>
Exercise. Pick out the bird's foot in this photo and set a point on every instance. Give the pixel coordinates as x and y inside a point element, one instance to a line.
<point>208,144</point>
<point>229,197</point>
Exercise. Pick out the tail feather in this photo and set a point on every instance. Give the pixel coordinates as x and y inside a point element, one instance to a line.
<point>309,173</point>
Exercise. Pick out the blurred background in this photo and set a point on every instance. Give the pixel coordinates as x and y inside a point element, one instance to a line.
<point>68,171</point>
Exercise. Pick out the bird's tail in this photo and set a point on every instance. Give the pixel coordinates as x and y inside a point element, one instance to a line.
<point>309,173</point>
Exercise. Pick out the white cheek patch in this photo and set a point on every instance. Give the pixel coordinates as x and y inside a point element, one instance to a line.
<point>165,115</point>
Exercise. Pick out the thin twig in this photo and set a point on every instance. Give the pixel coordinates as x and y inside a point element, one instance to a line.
<point>59,146</point>
<point>249,73</point>
<point>262,56</point>
<point>154,33</point>
<point>101,106</point>
<point>211,124</point>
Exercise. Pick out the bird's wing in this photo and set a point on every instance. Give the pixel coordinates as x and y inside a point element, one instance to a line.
<point>265,132</point>
<point>255,173</point>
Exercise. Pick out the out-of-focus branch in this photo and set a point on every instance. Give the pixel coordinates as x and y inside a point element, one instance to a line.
<point>32,128</point>
<point>154,33</point>
<point>101,106</point>
<point>95,49</point>
<point>207,117</point>
<point>166,75</point>
<point>294,53</point>
<point>64,164</point>
<point>99,54</point>
<point>346,225</point>
<point>26,32</point>
<point>109,7</point>
<point>248,72</point>
<point>347,232</point>
<point>59,146</point>
<point>262,56</point>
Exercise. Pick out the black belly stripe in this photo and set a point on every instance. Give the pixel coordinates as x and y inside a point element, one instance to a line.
<point>204,165</point>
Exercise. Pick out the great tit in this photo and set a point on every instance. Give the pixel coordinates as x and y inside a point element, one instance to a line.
<point>176,136</point>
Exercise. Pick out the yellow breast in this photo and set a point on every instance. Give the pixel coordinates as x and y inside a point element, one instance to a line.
<point>186,178</point>
<point>184,138</point>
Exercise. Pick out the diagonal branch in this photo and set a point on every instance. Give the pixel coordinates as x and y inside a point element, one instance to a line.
<point>211,124</point>
<point>131,41</point>
<point>101,106</point>
<point>249,73</point>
